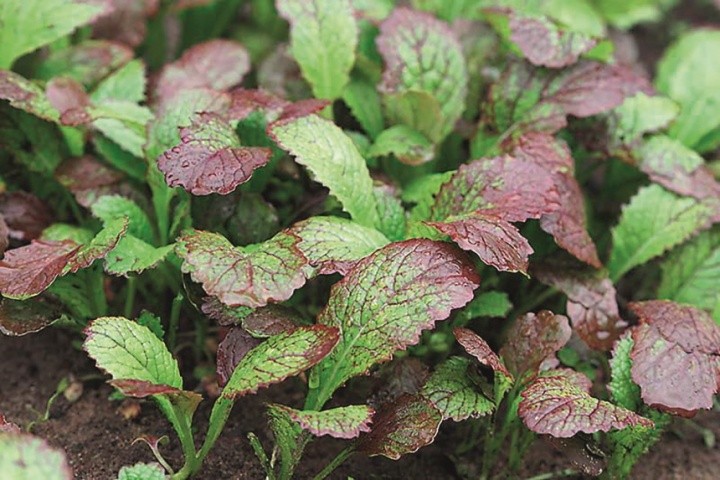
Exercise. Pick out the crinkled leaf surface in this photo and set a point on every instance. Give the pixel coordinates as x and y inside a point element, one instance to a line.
<point>27,271</point>
<point>676,356</point>
<point>691,274</point>
<point>24,457</point>
<point>452,391</point>
<point>334,161</point>
<point>334,243</point>
<point>498,243</point>
<point>623,390</point>
<point>641,114</point>
<point>386,300</point>
<point>422,54</point>
<point>279,357</point>
<point>476,346</point>
<point>591,305</point>
<point>210,158</point>
<point>341,422</point>
<point>654,221</point>
<point>532,339</point>
<point>404,426</point>
<point>249,276</point>
<point>142,471</point>
<point>129,351</point>
<point>28,25</point>
<point>323,37</point>
<point>558,403</point>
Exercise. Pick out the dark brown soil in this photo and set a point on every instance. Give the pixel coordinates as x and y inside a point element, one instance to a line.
<point>98,440</point>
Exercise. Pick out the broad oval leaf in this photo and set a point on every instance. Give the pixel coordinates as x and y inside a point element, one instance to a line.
<point>558,403</point>
<point>654,221</point>
<point>323,37</point>
<point>279,357</point>
<point>334,161</point>
<point>386,300</point>
<point>532,339</point>
<point>210,158</point>
<point>451,389</point>
<point>27,271</point>
<point>24,457</point>
<point>341,422</point>
<point>129,351</point>
<point>422,54</point>
<point>18,317</point>
<point>334,243</point>
<point>404,426</point>
<point>676,356</point>
<point>251,277</point>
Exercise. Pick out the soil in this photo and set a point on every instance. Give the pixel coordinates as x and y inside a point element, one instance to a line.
<point>98,439</point>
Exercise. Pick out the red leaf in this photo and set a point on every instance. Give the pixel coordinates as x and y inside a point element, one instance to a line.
<point>245,102</point>
<point>210,158</point>
<point>28,270</point>
<point>141,388</point>
<point>216,64</point>
<point>676,356</point>
<point>26,215</point>
<point>70,99</point>
<point>236,344</point>
<point>126,22</point>
<point>497,242</point>
<point>478,348</point>
<point>22,317</point>
<point>591,304</point>
<point>4,236</point>
<point>558,403</point>
<point>403,427</point>
<point>532,339</point>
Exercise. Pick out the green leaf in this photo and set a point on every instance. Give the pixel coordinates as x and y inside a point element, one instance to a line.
<point>642,114</point>
<point>691,274</point>
<point>341,422</point>
<point>153,322</point>
<point>364,101</point>
<point>654,221</point>
<point>250,276</point>
<point>134,255</point>
<point>112,207</point>
<point>624,14</point>
<point>333,243</point>
<point>385,301</point>
<point>26,95</point>
<point>334,161</point>
<point>24,457</point>
<point>406,144</point>
<point>422,191</point>
<point>685,75</point>
<point>26,25</point>
<point>422,54</point>
<point>323,37</point>
<point>142,471</point>
<point>487,304</point>
<point>393,221</point>
<point>623,390</point>
<point>279,357</point>
<point>451,389</point>
<point>127,350</point>
<point>127,83</point>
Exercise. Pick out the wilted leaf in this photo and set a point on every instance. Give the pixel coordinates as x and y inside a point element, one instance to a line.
<point>478,348</point>
<point>250,276</point>
<point>19,317</point>
<point>403,427</point>
<point>26,457</point>
<point>334,243</point>
<point>676,356</point>
<point>30,24</point>
<point>451,389</point>
<point>280,357</point>
<point>654,221</point>
<point>341,422</point>
<point>591,305</point>
<point>323,37</point>
<point>532,339</point>
<point>334,161</point>
<point>236,344</point>
<point>558,403</point>
<point>422,54</point>
<point>210,158</point>
<point>386,300</point>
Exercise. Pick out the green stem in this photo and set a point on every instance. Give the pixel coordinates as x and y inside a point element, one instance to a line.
<point>336,462</point>
<point>130,297</point>
<point>174,321</point>
<point>218,417</point>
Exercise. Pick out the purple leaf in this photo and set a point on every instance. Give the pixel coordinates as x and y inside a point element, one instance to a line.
<point>210,158</point>
<point>28,270</point>
<point>69,98</point>
<point>25,215</point>
<point>676,356</point>
<point>478,348</point>
<point>532,339</point>
<point>558,403</point>
<point>271,320</point>
<point>236,344</point>
<point>341,422</point>
<point>403,427</point>
<point>251,277</point>
<point>497,242</point>
<point>126,22</point>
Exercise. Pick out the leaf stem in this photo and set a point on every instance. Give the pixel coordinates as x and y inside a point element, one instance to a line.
<point>335,463</point>
<point>130,297</point>
<point>174,321</point>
